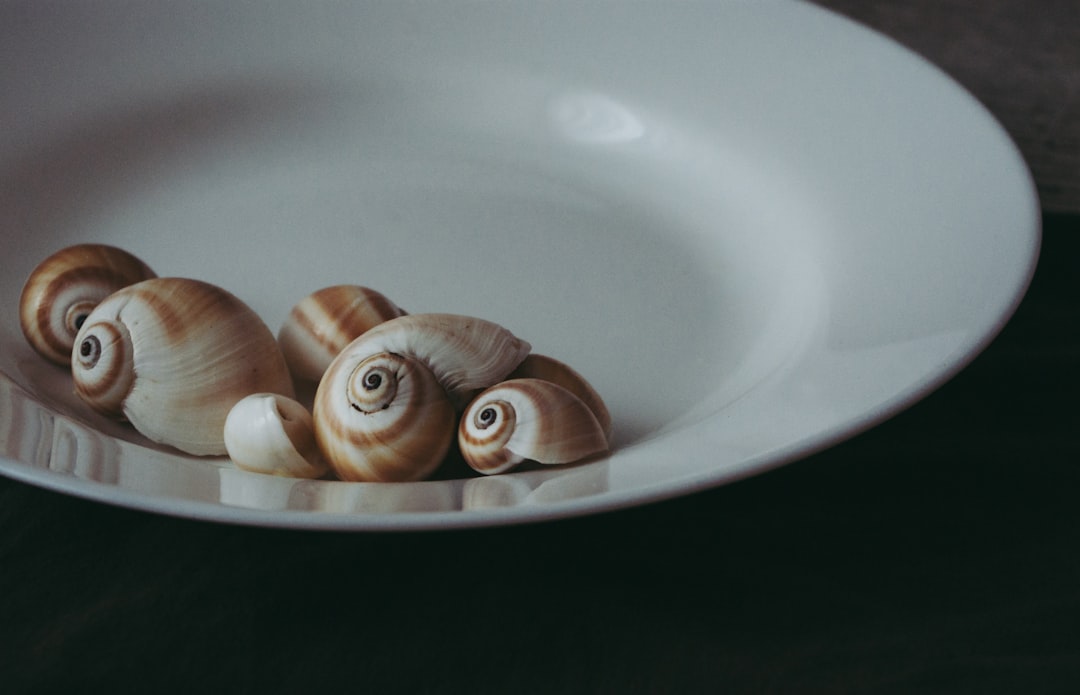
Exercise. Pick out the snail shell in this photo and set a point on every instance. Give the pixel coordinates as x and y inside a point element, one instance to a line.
<point>270,433</point>
<point>528,419</point>
<point>320,326</point>
<point>386,409</point>
<point>382,417</point>
<point>173,356</point>
<point>550,369</point>
<point>65,287</point>
<point>464,353</point>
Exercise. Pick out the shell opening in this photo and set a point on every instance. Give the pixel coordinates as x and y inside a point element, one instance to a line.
<point>272,434</point>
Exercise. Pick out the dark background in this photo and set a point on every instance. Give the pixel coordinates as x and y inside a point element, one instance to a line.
<point>937,553</point>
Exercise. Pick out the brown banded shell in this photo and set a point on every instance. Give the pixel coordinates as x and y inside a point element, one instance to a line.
<point>65,287</point>
<point>270,433</point>
<point>464,353</point>
<point>320,326</point>
<point>386,409</point>
<point>173,356</point>
<point>550,369</point>
<point>530,419</point>
<point>382,417</point>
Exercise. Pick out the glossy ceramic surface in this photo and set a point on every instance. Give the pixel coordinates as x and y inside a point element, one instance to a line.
<point>755,227</point>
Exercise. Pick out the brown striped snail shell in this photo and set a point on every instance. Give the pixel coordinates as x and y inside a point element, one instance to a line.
<point>172,356</point>
<point>383,418</point>
<point>550,369</point>
<point>65,287</point>
<point>386,408</point>
<point>320,326</point>
<point>530,419</point>
<point>270,433</point>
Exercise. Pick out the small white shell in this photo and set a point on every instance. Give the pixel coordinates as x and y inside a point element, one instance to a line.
<point>382,417</point>
<point>530,419</point>
<point>320,326</point>
<point>65,287</point>
<point>173,356</point>
<point>269,433</point>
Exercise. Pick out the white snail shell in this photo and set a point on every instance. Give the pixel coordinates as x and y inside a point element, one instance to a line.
<point>530,419</point>
<point>550,369</point>
<point>65,287</point>
<point>386,407</point>
<point>320,326</point>
<point>270,433</point>
<point>173,356</point>
<point>463,352</point>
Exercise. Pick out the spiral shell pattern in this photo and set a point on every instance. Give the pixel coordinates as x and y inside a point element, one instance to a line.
<point>65,287</point>
<point>382,417</point>
<point>191,351</point>
<point>320,326</point>
<point>530,419</point>
<point>103,361</point>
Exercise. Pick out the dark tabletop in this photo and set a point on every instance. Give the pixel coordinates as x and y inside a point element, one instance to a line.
<point>936,553</point>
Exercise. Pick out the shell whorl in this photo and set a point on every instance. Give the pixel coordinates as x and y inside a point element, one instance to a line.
<point>195,351</point>
<point>530,419</point>
<point>64,289</point>
<point>103,358</point>
<point>320,326</point>
<point>382,417</point>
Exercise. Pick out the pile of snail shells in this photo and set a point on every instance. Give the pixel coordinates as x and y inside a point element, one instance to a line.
<point>191,366</point>
<point>397,391</point>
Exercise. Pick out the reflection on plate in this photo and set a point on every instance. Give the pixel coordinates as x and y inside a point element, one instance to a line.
<point>756,228</point>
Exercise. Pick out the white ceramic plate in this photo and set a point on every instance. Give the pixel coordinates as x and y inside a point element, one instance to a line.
<point>756,227</point>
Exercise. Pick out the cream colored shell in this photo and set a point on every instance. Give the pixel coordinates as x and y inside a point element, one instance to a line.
<point>386,409</point>
<point>530,419</point>
<point>550,369</point>
<point>466,354</point>
<point>320,326</point>
<point>173,356</point>
<point>270,433</point>
<point>65,287</point>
